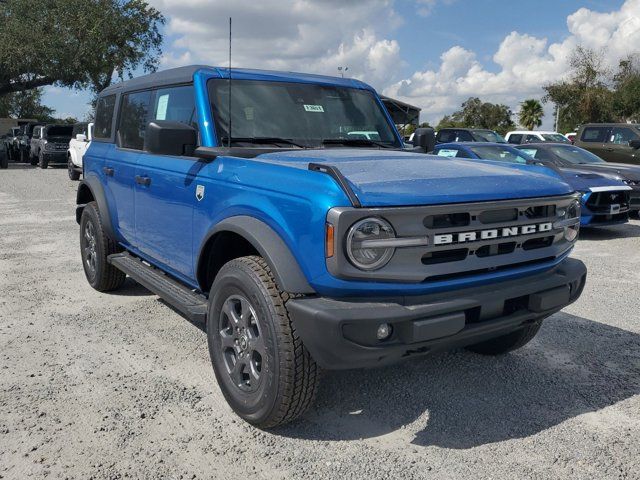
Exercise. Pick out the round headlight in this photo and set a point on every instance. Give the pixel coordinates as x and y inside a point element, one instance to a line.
<point>363,247</point>
<point>573,211</point>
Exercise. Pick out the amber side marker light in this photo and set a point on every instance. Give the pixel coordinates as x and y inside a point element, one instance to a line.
<point>329,241</point>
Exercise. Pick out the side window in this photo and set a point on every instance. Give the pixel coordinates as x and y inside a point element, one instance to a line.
<point>176,104</point>
<point>532,152</point>
<point>594,134</point>
<point>445,136</point>
<point>133,119</point>
<point>104,116</point>
<point>622,135</point>
<point>516,138</point>
<point>531,139</point>
<point>463,136</point>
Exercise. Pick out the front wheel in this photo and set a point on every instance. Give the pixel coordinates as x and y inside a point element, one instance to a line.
<point>95,247</point>
<point>509,342</point>
<point>264,371</point>
<point>73,174</point>
<point>42,161</point>
<point>4,159</point>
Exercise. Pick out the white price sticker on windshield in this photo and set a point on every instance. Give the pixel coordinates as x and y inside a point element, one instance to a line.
<point>163,102</point>
<point>314,108</point>
<point>445,152</point>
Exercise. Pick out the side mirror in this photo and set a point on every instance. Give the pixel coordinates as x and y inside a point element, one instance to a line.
<point>81,137</point>
<point>634,143</point>
<point>424,140</point>
<point>164,137</point>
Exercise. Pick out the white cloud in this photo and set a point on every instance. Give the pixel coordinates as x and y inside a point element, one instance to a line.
<point>525,63</point>
<point>303,35</point>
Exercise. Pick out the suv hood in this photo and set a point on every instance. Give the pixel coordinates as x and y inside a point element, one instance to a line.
<point>632,172</point>
<point>582,180</point>
<point>398,178</point>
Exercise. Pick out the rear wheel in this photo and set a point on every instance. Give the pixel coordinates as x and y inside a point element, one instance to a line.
<point>95,247</point>
<point>509,342</point>
<point>4,159</point>
<point>264,371</point>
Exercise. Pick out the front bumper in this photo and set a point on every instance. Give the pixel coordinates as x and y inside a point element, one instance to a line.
<point>55,157</point>
<point>341,333</point>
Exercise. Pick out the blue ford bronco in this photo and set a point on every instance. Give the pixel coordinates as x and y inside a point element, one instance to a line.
<point>303,244</point>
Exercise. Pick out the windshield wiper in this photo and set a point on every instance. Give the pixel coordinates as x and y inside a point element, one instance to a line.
<point>263,140</point>
<point>356,142</point>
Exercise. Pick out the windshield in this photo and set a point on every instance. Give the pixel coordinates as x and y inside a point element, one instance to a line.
<point>488,136</point>
<point>575,155</point>
<point>303,114</point>
<point>502,154</point>
<point>555,137</point>
<point>60,131</point>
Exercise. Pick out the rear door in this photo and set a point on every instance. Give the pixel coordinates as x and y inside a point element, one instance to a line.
<point>617,147</point>
<point>166,190</point>
<point>594,138</point>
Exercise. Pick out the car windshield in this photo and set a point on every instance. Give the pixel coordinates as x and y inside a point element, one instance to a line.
<point>298,114</point>
<point>488,136</point>
<point>60,131</point>
<point>496,152</point>
<point>575,155</point>
<point>555,137</point>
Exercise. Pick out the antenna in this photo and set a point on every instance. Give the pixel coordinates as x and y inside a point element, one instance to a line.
<point>229,85</point>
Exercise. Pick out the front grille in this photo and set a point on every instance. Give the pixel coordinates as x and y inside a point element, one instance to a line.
<point>461,239</point>
<point>601,203</point>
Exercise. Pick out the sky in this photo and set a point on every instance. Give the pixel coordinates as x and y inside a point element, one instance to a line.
<point>431,53</point>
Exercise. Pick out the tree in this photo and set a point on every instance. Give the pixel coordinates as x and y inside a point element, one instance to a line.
<point>585,97</point>
<point>531,114</point>
<point>76,43</point>
<point>25,104</point>
<point>478,114</point>
<point>626,96</point>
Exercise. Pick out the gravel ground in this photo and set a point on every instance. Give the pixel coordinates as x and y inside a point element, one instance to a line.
<point>119,385</point>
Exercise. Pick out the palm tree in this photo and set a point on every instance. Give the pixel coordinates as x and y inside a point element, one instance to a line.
<point>531,114</point>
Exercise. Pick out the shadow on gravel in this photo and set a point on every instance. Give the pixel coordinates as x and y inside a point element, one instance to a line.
<point>131,288</point>
<point>628,230</point>
<point>462,400</point>
<point>21,166</point>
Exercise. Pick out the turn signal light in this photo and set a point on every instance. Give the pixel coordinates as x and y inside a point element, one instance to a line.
<point>329,241</point>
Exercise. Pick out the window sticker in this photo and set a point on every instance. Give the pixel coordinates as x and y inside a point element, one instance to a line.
<point>248,113</point>
<point>447,152</point>
<point>530,151</point>
<point>314,108</point>
<point>163,102</point>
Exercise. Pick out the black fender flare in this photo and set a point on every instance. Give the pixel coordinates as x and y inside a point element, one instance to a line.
<point>96,193</point>
<point>272,248</point>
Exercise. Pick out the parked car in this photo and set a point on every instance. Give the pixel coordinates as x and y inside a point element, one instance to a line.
<point>579,159</point>
<point>301,248</point>
<point>613,142</point>
<point>11,143</point>
<point>605,201</point>
<point>80,140</point>
<point>518,137</point>
<point>446,135</point>
<point>49,145</point>
<point>24,144</point>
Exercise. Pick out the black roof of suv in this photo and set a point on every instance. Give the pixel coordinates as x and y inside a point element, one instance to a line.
<point>446,135</point>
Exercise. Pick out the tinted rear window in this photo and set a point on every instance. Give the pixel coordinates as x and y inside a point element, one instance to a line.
<point>133,119</point>
<point>594,134</point>
<point>104,116</point>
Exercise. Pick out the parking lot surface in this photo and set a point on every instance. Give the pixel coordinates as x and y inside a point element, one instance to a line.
<point>119,385</point>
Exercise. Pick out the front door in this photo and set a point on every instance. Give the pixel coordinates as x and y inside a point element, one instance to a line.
<point>618,148</point>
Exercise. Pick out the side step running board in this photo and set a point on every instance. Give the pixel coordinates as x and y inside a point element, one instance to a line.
<point>191,304</point>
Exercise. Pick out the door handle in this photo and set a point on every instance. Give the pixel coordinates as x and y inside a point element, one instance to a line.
<point>146,181</point>
<point>108,171</point>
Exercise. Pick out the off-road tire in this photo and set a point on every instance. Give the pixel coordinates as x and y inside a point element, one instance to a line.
<point>509,342</point>
<point>104,277</point>
<point>4,159</point>
<point>73,174</point>
<point>289,376</point>
<point>42,162</point>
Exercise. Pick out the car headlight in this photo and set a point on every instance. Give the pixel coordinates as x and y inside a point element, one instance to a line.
<point>366,248</point>
<point>570,220</point>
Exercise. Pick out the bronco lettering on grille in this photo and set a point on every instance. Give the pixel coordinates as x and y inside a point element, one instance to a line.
<point>464,237</point>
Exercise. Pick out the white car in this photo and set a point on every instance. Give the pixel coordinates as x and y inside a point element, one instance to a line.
<point>80,140</point>
<point>519,137</point>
